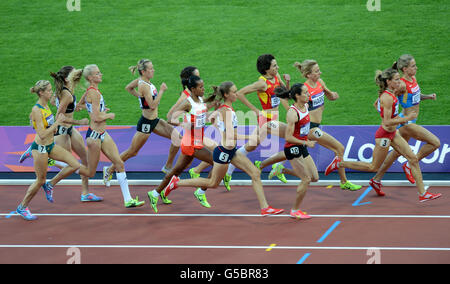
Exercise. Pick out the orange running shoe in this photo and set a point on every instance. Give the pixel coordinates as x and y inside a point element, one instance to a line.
<point>173,184</point>
<point>376,185</point>
<point>429,196</point>
<point>299,214</point>
<point>271,211</point>
<point>408,173</point>
<point>334,165</point>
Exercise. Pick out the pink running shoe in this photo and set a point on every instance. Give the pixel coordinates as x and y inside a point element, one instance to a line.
<point>173,184</point>
<point>408,173</point>
<point>376,185</point>
<point>299,214</point>
<point>429,196</point>
<point>334,165</point>
<point>271,211</point>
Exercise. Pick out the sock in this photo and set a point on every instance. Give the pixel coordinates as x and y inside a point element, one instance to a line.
<point>123,182</point>
<point>155,193</point>
<point>231,167</point>
<point>61,164</point>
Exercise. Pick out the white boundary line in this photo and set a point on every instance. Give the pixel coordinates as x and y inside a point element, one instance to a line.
<point>229,215</point>
<point>226,247</point>
<point>233,182</point>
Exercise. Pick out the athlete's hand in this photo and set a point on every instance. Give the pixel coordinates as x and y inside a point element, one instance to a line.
<point>163,87</point>
<point>411,116</point>
<point>433,96</point>
<point>310,144</point>
<point>287,77</point>
<point>334,96</point>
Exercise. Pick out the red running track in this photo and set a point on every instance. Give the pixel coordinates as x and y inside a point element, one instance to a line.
<point>231,232</point>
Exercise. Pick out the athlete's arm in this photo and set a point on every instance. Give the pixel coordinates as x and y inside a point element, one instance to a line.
<point>332,96</point>
<point>259,85</point>
<point>131,88</point>
<point>96,114</point>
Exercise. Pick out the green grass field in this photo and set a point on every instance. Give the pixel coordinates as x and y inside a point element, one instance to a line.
<point>223,39</point>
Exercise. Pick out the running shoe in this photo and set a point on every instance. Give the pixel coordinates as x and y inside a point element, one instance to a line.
<point>226,181</point>
<point>299,214</point>
<point>107,176</point>
<point>350,186</point>
<point>134,203</point>
<point>376,185</point>
<point>25,155</point>
<point>48,190</point>
<point>201,197</point>
<point>173,184</point>
<point>25,213</point>
<point>408,173</point>
<point>153,200</point>
<point>429,196</point>
<point>334,165</point>
<point>164,199</point>
<point>277,170</point>
<point>165,170</point>
<point>258,164</point>
<point>91,198</point>
<point>271,211</point>
<point>193,174</point>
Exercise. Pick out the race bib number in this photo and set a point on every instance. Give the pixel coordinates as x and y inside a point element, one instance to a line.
<point>304,130</point>
<point>416,98</point>
<point>200,120</point>
<point>318,100</point>
<point>224,157</point>
<point>275,101</point>
<point>146,128</point>
<point>42,149</point>
<point>385,142</point>
<point>295,151</point>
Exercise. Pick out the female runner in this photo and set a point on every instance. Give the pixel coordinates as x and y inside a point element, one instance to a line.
<point>409,98</point>
<point>149,99</point>
<point>387,135</point>
<point>267,118</point>
<point>44,147</point>
<point>295,148</point>
<point>97,139</point>
<point>317,92</point>
<point>225,154</point>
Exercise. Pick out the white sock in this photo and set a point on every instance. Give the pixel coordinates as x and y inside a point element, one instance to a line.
<point>123,182</point>
<point>231,167</point>
<point>61,164</point>
<point>155,193</point>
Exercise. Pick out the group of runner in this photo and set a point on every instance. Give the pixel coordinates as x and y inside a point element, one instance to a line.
<point>56,137</point>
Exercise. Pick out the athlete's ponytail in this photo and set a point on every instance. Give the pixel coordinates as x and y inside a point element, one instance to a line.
<point>141,66</point>
<point>220,91</point>
<point>59,78</point>
<point>283,93</point>
<point>305,67</point>
<point>402,62</point>
<point>40,86</point>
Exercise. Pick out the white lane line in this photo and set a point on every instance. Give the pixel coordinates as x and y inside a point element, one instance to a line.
<point>227,247</point>
<point>225,215</point>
